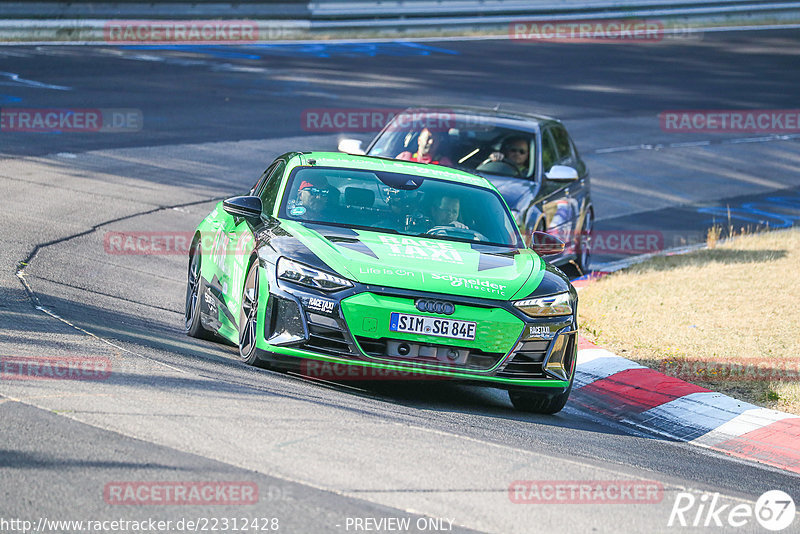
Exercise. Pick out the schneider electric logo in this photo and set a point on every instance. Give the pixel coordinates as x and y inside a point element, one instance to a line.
<point>774,510</point>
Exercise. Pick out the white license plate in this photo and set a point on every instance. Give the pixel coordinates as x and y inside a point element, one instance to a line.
<point>432,326</point>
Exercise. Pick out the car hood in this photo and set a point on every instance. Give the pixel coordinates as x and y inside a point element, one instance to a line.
<point>423,264</point>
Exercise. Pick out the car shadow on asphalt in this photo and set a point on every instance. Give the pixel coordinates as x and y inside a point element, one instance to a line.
<point>214,368</point>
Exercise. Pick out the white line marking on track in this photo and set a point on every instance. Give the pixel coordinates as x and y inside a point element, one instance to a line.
<point>689,144</point>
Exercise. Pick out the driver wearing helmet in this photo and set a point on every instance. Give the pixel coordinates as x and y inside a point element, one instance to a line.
<point>405,214</point>
<point>315,200</point>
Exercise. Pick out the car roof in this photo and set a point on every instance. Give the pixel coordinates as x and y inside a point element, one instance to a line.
<point>376,163</point>
<point>501,117</point>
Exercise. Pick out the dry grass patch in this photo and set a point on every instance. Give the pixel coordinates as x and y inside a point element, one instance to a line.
<point>726,318</point>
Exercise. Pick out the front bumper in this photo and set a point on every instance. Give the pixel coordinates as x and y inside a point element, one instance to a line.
<point>351,329</point>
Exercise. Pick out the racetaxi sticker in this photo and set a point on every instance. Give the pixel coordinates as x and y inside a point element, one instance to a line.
<point>320,305</point>
<point>538,331</point>
<point>421,249</point>
<point>432,326</point>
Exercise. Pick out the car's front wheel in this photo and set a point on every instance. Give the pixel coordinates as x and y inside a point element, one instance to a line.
<point>248,319</point>
<point>543,403</point>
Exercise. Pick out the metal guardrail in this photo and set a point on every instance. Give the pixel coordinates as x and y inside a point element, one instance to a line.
<point>156,9</point>
<point>82,20</point>
<point>740,9</point>
<point>332,10</point>
<point>351,9</point>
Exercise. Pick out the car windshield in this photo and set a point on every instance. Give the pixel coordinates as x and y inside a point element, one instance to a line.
<point>462,141</point>
<point>399,203</point>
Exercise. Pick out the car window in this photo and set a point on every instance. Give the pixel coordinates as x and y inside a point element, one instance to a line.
<point>259,185</point>
<point>549,152</point>
<point>403,204</point>
<point>563,146</point>
<point>464,142</point>
<point>271,185</point>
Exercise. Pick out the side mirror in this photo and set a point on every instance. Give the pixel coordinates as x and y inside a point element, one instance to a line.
<point>247,207</point>
<point>562,173</point>
<point>545,244</point>
<point>351,146</point>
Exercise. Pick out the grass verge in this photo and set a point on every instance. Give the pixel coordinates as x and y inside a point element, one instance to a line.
<point>726,318</point>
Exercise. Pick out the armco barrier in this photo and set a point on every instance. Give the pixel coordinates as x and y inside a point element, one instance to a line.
<point>352,10</point>
<point>80,20</point>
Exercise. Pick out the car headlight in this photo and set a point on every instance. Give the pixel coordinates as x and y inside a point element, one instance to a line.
<point>554,305</point>
<point>299,273</point>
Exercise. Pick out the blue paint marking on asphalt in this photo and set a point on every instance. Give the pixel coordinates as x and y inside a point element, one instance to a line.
<point>324,50</point>
<point>319,50</point>
<point>770,212</point>
<point>426,49</point>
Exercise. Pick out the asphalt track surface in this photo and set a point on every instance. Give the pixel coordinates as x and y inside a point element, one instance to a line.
<point>323,455</point>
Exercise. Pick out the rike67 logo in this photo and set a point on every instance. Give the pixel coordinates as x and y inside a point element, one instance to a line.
<point>774,511</point>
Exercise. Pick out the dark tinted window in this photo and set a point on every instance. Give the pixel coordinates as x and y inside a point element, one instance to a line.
<point>271,186</point>
<point>549,153</point>
<point>262,179</point>
<point>563,146</point>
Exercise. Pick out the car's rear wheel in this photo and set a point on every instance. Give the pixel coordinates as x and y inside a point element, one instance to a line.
<point>248,319</point>
<point>542,403</point>
<point>195,287</point>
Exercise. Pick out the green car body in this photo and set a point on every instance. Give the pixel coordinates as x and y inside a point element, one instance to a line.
<point>327,262</point>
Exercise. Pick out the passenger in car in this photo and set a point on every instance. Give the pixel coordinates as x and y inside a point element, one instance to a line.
<point>430,149</point>
<point>406,214</point>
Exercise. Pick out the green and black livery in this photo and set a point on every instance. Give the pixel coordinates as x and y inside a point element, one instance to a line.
<point>370,278</point>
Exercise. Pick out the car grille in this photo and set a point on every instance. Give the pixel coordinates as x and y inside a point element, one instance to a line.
<point>526,360</point>
<point>327,338</point>
<point>475,359</point>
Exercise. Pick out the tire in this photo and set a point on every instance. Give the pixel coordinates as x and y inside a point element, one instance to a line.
<point>541,403</point>
<point>195,287</point>
<point>584,245</point>
<point>248,319</point>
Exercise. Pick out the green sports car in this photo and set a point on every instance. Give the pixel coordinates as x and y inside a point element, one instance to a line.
<point>383,268</point>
